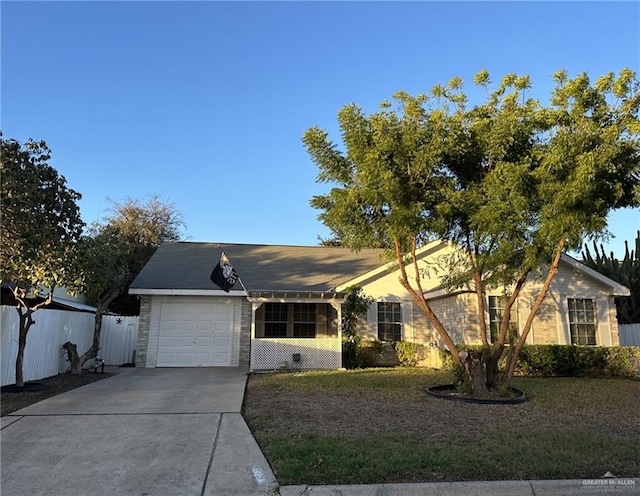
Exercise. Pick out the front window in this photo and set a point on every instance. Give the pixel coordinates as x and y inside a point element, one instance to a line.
<point>275,320</point>
<point>582,321</point>
<point>304,320</point>
<point>497,305</point>
<point>290,320</point>
<point>389,321</point>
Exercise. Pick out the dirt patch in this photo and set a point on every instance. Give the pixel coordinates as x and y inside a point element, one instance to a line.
<point>10,402</point>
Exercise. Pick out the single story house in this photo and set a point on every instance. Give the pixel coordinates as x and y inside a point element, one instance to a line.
<point>285,308</point>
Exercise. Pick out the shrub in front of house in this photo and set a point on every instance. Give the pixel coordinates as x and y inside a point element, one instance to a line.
<point>408,353</point>
<point>366,353</point>
<point>623,361</point>
<point>565,361</point>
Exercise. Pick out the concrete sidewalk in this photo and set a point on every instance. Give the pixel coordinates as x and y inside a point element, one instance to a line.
<point>619,487</point>
<point>141,432</point>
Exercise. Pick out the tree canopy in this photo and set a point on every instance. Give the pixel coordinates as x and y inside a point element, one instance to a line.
<point>40,220</point>
<point>512,182</point>
<point>113,253</point>
<point>119,245</point>
<point>41,227</point>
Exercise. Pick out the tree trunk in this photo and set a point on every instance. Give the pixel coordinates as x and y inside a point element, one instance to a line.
<point>78,361</point>
<point>471,362</point>
<point>25,314</point>
<point>482,323</point>
<point>26,321</point>
<point>72,356</point>
<point>492,365</point>
<point>420,300</point>
<point>493,378</point>
<point>553,270</point>
<point>103,305</point>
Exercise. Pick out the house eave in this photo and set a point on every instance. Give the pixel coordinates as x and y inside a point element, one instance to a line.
<point>267,295</point>
<point>185,292</point>
<point>388,267</point>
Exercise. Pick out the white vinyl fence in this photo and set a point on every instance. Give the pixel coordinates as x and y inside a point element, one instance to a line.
<point>629,334</point>
<point>44,356</point>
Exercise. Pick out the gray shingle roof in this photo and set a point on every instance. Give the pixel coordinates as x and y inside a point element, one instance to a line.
<point>185,265</point>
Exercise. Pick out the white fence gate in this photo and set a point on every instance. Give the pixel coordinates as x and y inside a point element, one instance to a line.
<point>44,356</point>
<point>629,334</point>
<point>118,339</point>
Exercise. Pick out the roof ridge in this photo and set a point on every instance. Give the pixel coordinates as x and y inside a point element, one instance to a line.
<point>222,244</point>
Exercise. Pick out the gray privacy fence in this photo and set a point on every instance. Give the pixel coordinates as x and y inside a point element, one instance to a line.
<point>629,334</point>
<point>44,356</point>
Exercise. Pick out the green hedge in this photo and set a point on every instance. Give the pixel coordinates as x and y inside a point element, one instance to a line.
<point>365,353</point>
<point>567,361</point>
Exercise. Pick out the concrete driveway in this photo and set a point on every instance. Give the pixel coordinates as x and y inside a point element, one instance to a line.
<point>141,432</point>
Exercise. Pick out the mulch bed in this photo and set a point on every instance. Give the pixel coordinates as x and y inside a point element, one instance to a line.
<point>10,402</point>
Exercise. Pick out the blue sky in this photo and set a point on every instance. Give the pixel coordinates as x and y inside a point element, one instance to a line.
<point>205,103</point>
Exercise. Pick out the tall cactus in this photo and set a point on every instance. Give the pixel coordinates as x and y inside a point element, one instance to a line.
<point>625,271</point>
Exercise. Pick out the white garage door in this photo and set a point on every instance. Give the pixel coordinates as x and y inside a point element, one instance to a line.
<point>195,334</point>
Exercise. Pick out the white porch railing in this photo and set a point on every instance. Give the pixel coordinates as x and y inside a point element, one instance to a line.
<point>278,353</point>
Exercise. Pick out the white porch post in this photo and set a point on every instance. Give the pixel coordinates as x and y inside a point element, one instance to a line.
<point>254,307</point>
<point>338,308</point>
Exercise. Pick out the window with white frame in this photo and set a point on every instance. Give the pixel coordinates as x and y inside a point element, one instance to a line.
<point>389,321</point>
<point>582,321</point>
<point>497,305</point>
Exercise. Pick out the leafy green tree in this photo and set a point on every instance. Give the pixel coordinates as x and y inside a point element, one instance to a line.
<point>41,227</point>
<point>355,305</point>
<point>625,271</point>
<point>512,183</point>
<point>115,251</point>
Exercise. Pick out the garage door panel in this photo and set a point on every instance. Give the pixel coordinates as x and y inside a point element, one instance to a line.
<point>168,324</point>
<point>205,325</point>
<point>220,359</point>
<point>222,325</point>
<point>204,341</point>
<point>195,334</point>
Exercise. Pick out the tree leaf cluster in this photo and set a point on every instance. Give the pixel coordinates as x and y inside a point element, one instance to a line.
<point>116,249</point>
<point>40,220</point>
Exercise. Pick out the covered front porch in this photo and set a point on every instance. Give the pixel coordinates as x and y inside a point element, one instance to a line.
<point>295,331</point>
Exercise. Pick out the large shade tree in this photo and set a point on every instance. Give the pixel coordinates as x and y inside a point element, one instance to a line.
<point>41,226</point>
<point>511,182</point>
<point>113,253</point>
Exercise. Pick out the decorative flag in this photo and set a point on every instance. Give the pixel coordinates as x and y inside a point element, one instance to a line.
<point>224,275</point>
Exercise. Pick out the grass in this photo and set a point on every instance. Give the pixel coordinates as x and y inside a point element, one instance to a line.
<point>369,426</point>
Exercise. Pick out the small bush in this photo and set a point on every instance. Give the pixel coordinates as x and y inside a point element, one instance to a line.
<point>564,361</point>
<point>408,353</point>
<point>369,352</point>
<point>350,355</point>
<point>623,361</point>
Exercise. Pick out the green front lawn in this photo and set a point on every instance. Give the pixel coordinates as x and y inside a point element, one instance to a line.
<point>379,425</point>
